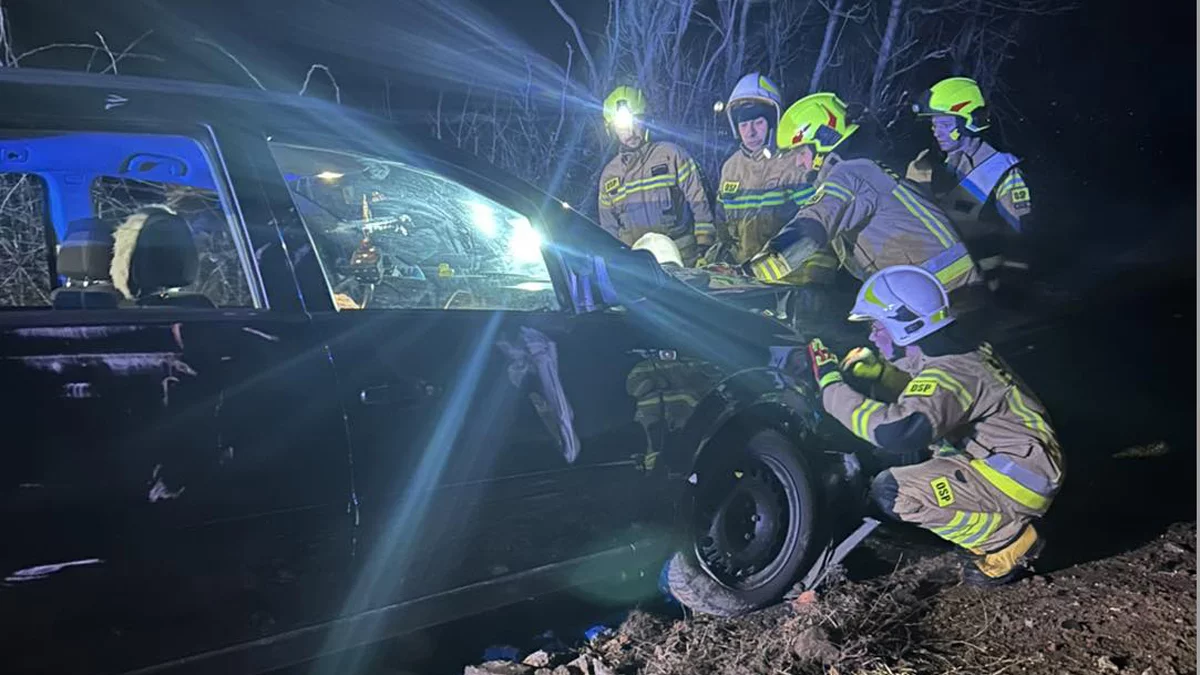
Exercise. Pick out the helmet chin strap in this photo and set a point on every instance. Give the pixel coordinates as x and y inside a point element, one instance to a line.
<point>956,134</point>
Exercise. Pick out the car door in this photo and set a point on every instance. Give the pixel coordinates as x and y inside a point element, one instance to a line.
<point>177,477</point>
<point>496,451</point>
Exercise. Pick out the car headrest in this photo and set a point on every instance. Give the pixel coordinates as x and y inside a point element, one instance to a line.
<point>164,255</point>
<point>87,249</point>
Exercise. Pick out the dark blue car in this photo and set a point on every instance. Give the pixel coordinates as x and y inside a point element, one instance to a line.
<point>284,380</point>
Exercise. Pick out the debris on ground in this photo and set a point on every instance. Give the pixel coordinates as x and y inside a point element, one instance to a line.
<point>1132,613</point>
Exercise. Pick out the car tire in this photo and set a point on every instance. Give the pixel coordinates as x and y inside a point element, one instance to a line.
<point>702,577</point>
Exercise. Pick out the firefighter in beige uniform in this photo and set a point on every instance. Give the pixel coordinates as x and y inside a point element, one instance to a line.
<point>651,186</point>
<point>871,217</point>
<point>979,187</point>
<point>967,450</point>
<point>761,187</point>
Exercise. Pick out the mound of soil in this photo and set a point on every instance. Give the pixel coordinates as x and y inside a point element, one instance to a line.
<point>1134,613</point>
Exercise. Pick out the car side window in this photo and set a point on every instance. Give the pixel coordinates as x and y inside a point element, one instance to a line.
<point>392,236</point>
<point>100,220</point>
<point>24,247</point>
<point>219,276</point>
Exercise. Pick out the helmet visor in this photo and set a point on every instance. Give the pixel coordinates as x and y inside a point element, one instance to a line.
<point>745,111</point>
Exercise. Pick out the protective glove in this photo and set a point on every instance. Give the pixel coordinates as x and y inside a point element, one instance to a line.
<point>767,266</point>
<point>864,364</point>
<point>824,364</point>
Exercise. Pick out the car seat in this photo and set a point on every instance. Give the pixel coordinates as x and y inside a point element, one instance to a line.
<point>84,259</point>
<point>155,258</point>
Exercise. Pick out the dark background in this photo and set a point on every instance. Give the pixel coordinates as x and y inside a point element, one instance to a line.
<point>1107,91</point>
<point>1106,96</point>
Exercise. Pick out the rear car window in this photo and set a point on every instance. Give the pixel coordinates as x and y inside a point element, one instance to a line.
<point>392,236</point>
<point>115,220</point>
<point>25,250</point>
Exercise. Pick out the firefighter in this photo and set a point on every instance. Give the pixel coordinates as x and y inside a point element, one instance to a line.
<point>966,450</point>
<point>979,187</point>
<point>760,187</point>
<point>651,186</point>
<point>870,216</point>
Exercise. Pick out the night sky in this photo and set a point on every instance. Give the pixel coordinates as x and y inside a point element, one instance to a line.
<point>1107,90</point>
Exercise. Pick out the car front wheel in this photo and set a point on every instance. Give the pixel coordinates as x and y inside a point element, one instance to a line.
<point>754,530</point>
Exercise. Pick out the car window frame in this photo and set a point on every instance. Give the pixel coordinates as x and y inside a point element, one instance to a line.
<point>420,160</point>
<point>207,137</point>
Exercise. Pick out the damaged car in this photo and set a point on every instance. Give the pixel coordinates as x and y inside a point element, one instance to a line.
<point>287,380</point>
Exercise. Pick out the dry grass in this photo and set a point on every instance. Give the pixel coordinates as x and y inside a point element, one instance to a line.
<point>867,628</point>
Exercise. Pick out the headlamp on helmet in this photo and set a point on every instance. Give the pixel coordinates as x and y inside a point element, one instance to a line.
<point>623,117</point>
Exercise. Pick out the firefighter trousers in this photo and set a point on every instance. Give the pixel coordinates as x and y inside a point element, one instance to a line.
<point>949,497</point>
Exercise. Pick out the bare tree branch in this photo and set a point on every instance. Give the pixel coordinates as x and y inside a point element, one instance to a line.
<point>233,58</point>
<point>125,52</point>
<point>583,47</point>
<point>112,60</point>
<point>337,91</point>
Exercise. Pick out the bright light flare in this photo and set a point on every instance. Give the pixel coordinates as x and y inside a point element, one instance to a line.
<point>623,118</point>
<point>330,175</point>
<point>525,245</point>
<point>484,218</point>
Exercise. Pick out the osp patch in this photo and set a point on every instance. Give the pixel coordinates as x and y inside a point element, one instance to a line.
<point>941,491</point>
<point>920,386</point>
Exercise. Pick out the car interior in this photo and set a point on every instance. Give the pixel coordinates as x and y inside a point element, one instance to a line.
<point>156,189</point>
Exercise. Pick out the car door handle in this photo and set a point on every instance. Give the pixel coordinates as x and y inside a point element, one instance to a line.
<point>404,393</point>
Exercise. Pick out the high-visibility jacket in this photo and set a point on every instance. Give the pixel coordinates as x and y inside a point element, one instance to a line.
<point>757,195</point>
<point>656,187</point>
<point>874,219</point>
<point>979,187</point>
<point>971,405</point>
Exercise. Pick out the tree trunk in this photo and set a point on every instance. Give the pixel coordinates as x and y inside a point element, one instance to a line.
<point>739,62</point>
<point>826,45</point>
<point>885,51</point>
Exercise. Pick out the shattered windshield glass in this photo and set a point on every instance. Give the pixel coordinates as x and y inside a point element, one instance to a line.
<point>394,236</point>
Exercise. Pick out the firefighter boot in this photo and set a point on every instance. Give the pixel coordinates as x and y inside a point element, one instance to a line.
<point>1007,564</point>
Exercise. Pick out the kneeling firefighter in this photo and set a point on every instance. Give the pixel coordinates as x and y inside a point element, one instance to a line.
<point>870,216</point>
<point>963,448</point>
<point>651,186</point>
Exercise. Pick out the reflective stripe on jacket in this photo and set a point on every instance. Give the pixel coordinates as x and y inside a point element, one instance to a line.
<point>655,188</point>
<point>874,220</point>
<point>976,404</point>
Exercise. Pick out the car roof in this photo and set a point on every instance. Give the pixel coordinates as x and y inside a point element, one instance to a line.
<point>76,79</point>
<point>277,109</point>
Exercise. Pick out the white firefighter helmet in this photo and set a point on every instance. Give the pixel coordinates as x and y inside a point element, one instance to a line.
<point>754,93</point>
<point>660,245</point>
<point>907,300</point>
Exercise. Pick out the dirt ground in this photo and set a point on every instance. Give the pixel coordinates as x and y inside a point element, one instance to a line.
<point>1130,613</point>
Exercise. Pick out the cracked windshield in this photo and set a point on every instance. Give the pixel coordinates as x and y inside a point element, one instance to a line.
<point>391,236</point>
